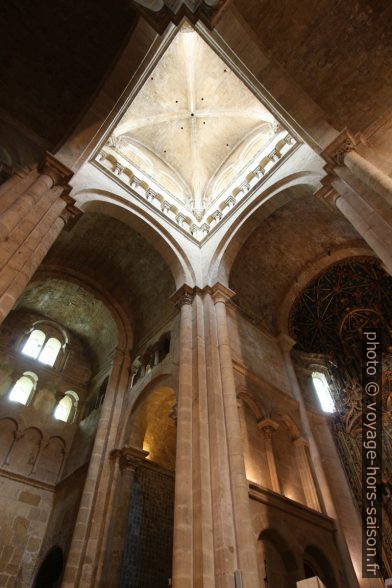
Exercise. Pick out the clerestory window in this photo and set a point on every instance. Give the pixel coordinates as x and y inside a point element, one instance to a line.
<point>23,388</point>
<point>323,392</point>
<point>66,408</point>
<point>39,347</point>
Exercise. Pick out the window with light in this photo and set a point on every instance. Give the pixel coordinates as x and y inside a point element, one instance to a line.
<point>50,351</point>
<point>39,347</point>
<point>23,388</point>
<point>34,344</point>
<point>323,392</point>
<point>64,409</point>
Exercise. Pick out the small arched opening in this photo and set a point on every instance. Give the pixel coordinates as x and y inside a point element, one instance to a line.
<point>50,570</point>
<point>280,564</point>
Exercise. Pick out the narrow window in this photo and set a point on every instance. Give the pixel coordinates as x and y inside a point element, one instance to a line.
<point>64,408</point>
<point>50,351</point>
<point>34,343</point>
<point>23,388</point>
<point>323,392</point>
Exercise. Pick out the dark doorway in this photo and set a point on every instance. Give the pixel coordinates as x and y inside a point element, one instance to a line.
<point>309,571</point>
<point>50,571</point>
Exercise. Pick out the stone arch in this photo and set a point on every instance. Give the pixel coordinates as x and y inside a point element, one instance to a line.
<point>321,564</point>
<point>8,432</point>
<point>280,561</point>
<point>309,274</point>
<point>50,569</point>
<point>51,460</point>
<point>151,425</point>
<point>25,451</point>
<point>124,328</point>
<point>253,403</point>
<point>290,424</point>
<point>268,201</point>
<point>141,221</point>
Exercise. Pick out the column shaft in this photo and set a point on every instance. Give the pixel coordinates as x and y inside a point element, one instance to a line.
<point>183,511</point>
<point>369,224</point>
<point>225,552</point>
<point>245,540</point>
<point>204,574</point>
<point>305,472</point>
<point>87,546</point>
<point>269,450</point>
<point>21,206</point>
<point>24,275</point>
<point>369,174</point>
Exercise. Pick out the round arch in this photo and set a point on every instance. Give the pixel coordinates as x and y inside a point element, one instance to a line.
<point>309,274</point>
<point>124,327</point>
<point>151,424</point>
<point>319,562</point>
<point>139,394</point>
<point>276,196</point>
<point>50,570</point>
<point>281,564</point>
<point>138,219</point>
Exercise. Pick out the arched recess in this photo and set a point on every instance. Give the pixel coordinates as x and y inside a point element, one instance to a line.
<point>151,423</point>
<point>276,196</point>
<point>253,403</point>
<point>317,561</point>
<point>252,411</point>
<point>309,274</point>
<point>8,431</point>
<point>281,567</point>
<point>142,222</point>
<point>50,570</point>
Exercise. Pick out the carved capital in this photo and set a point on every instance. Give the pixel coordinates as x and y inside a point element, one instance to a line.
<point>268,426</point>
<point>337,150</point>
<point>57,171</point>
<point>128,457</point>
<point>221,293</point>
<point>71,213</point>
<point>183,296</point>
<point>300,442</point>
<point>328,195</point>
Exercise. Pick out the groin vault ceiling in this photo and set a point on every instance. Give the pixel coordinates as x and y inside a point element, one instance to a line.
<point>194,133</point>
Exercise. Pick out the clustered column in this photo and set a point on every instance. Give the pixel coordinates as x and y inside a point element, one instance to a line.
<point>214,543</point>
<point>87,551</point>
<point>34,209</point>
<point>342,151</point>
<point>245,540</point>
<point>362,193</point>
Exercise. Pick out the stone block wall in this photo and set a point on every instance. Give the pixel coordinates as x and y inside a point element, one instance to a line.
<point>25,512</point>
<point>257,351</point>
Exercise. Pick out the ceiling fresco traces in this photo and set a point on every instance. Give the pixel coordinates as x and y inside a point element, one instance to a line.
<point>76,309</point>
